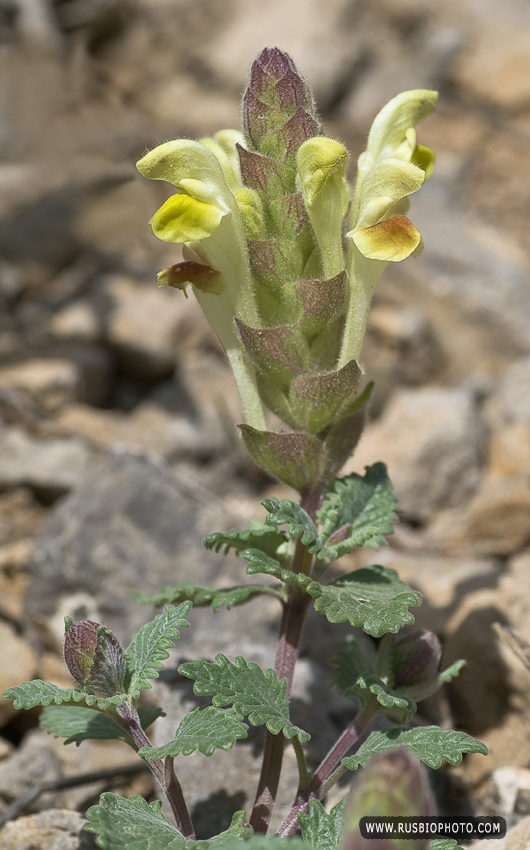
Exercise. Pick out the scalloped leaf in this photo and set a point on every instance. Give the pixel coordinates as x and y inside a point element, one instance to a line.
<point>298,521</point>
<point>357,655</point>
<point>147,651</point>
<point>260,536</point>
<point>202,595</point>
<point>77,723</point>
<point>205,730</point>
<point>30,694</point>
<point>134,824</point>
<point>373,598</point>
<point>320,830</point>
<point>252,691</point>
<point>259,562</point>
<point>452,671</point>
<point>397,705</point>
<point>429,744</point>
<point>363,505</point>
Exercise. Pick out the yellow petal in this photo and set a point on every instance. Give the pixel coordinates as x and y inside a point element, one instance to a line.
<point>389,128</point>
<point>318,160</point>
<point>251,208</point>
<point>185,219</point>
<point>391,240</point>
<point>424,158</point>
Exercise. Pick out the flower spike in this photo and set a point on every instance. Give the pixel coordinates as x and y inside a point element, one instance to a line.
<point>284,259</point>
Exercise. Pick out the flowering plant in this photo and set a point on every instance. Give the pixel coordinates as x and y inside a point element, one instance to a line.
<point>283,261</point>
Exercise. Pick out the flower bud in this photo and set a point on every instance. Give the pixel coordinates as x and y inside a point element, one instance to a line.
<point>416,659</point>
<point>94,658</point>
<point>278,110</point>
<point>394,784</point>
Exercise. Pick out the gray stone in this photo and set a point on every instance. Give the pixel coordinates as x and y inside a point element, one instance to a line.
<point>51,467</point>
<point>55,829</point>
<point>510,403</point>
<point>431,442</point>
<point>33,764</point>
<point>129,525</point>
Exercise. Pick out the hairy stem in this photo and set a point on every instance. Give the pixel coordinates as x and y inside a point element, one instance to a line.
<point>163,772</point>
<point>320,783</point>
<point>176,798</point>
<point>294,613</point>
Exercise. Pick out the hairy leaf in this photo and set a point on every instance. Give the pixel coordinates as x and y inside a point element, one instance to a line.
<point>77,724</point>
<point>358,655</point>
<point>199,596</point>
<point>29,694</point>
<point>363,506</point>
<point>259,562</point>
<point>260,535</point>
<point>320,830</point>
<point>373,598</point>
<point>253,692</point>
<point>397,705</point>
<point>148,649</point>
<point>206,729</point>
<point>429,744</point>
<point>134,824</point>
<point>298,521</point>
<point>452,671</point>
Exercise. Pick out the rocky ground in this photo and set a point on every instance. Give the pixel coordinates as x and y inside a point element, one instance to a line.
<point>116,439</point>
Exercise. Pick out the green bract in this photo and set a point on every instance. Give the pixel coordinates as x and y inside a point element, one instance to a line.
<point>283,258</point>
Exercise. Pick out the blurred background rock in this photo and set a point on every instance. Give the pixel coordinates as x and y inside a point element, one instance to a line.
<point>114,397</point>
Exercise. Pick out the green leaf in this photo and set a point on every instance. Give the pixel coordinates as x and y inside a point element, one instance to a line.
<point>320,830</point>
<point>29,694</point>
<point>357,656</point>
<point>259,562</point>
<point>148,649</point>
<point>268,842</point>
<point>444,844</point>
<point>259,536</point>
<point>199,596</point>
<point>205,729</point>
<point>298,521</point>
<point>452,671</point>
<point>134,824</point>
<point>251,691</point>
<point>363,507</point>
<point>398,706</point>
<point>373,598</point>
<point>77,724</point>
<point>429,744</point>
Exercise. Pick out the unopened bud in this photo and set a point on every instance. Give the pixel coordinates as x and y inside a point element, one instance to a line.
<point>394,784</point>
<point>417,658</point>
<point>94,658</point>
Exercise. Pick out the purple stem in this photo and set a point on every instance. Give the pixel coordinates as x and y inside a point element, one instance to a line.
<point>163,772</point>
<point>318,785</point>
<point>294,613</point>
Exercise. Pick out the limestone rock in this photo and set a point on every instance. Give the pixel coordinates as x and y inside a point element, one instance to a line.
<point>55,829</point>
<point>128,525</point>
<point>431,442</point>
<point>51,467</point>
<point>17,664</point>
<point>142,327</point>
